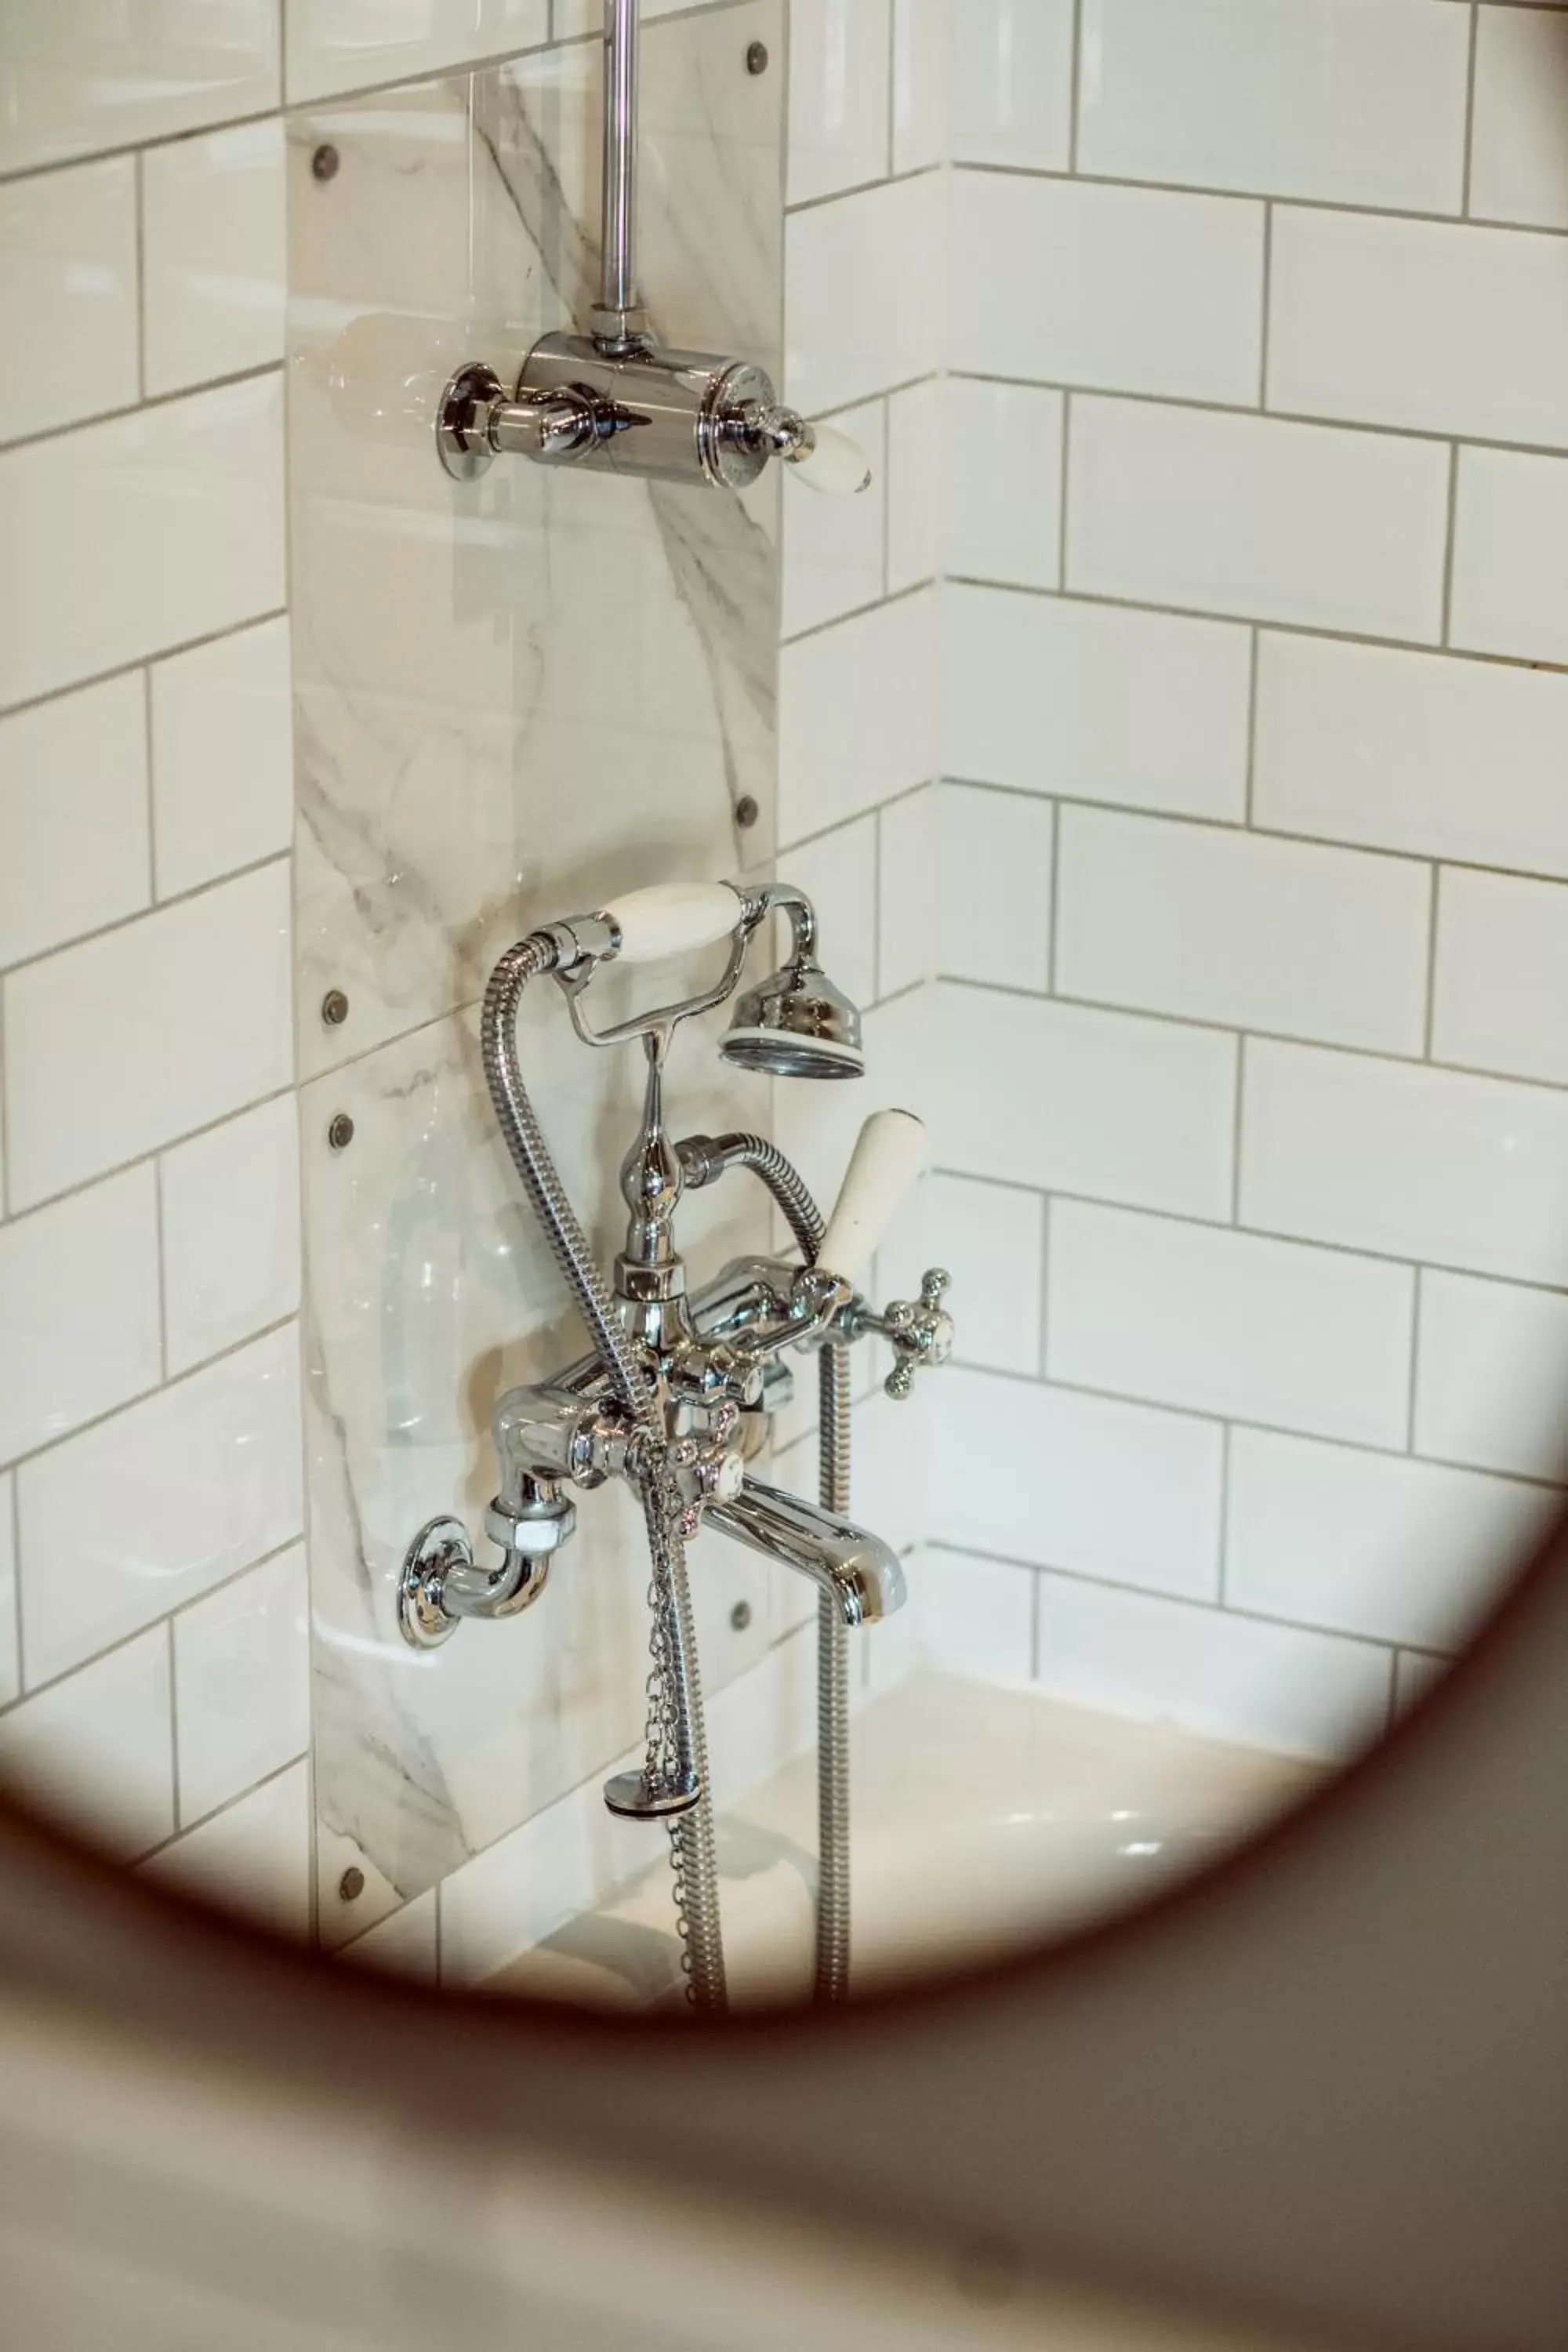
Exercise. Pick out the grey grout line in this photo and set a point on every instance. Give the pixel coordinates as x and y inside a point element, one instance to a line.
<point>1469,110</point>
<point>1162,1593</point>
<point>860,187</point>
<point>124,1167</point>
<point>1244,413</point>
<point>1415,1373</point>
<point>139,202</point>
<point>1218,1416</point>
<point>1266,313</point>
<point>1065,485</point>
<point>1196,1022</point>
<point>1450,542</point>
<point>895,15</point>
<point>161,1267</point>
<point>158,1389</point>
<point>1270,623</point>
<point>1222,1565</point>
<point>1238,1127</point>
<point>149,913</point>
<point>142,660</point>
<point>1042,1337</point>
<point>204,1821</point>
<point>1053,941</point>
<point>1429,1008</point>
<point>1283,198</point>
<point>1037,1626</point>
<point>1075,85</point>
<point>1253,663</point>
<point>13,1508</point>
<point>6,1205</point>
<point>857,613</point>
<point>139,1634</point>
<point>150,406</point>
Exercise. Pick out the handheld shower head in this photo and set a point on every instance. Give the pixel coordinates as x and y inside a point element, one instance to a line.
<point>796,1025</point>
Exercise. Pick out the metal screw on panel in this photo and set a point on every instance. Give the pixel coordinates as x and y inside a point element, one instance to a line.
<point>340,1133</point>
<point>324,163</point>
<point>746,812</point>
<point>351,1886</point>
<point>757,57</point>
<point>334,1008</point>
<point>740,1616</point>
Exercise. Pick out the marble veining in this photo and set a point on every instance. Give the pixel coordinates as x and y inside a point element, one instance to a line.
<point>510,700</point>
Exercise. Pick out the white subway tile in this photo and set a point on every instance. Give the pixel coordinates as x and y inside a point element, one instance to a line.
<point>94,1750</point>
<point>1002,482</point>
<point>1353,101</point>
<point>67,293</point>
<point>10,1661</point>
<point>157,1505</point>
<point>79,1308</point>
<point>214,256</point>
<point>1221,1677</point>
<point>992,1240</point>
<point>242,1683</point>
<point>970,1616</point>
<point>337,45</point>
<point>838,873</point>
<point>1218,924</point>
<point>1072,1100</point>
<point>1049,696</point>
<point>993,912</point>
<point>253,1859</point>
<point>166,1024</point>
<point>834,547</point>
<point>858,714</point>
<point>1249,515</point>
<point>1368,744</point>
<point>1491,1375</point>
<point>1369,1544</point>
<point>1422,1163</point>
<point>1126,289</point>
<point>921,84</point>
<point>859,312</point>
<point>909,891</point>
<point>231,1232</point>
<point>1229,1323</point>
<point>1502,974</point>
<point>840,60</point>
<point>222,756</point>
<point>1120,1491</point>
<point>76,77</point>
<point>182,506</point>
<point>73,817</point>
<point>916,455</point>
<point>1011,84</point>
<point>765,1718</point>
<point>1511,568</point>
<point>1432,326</point>
<point>1519,159</point>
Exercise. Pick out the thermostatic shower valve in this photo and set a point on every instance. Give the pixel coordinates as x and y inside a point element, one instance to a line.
<point>613,398</point>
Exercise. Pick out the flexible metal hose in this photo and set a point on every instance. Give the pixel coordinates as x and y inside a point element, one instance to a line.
<point>693,1846</point>
<point>808,1224</point>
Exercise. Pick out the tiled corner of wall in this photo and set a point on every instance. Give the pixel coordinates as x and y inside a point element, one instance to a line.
<point>156,1635</point>
<point>1254,480</point>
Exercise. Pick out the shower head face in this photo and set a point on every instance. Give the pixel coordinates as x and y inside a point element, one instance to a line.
<point>796,1025</point>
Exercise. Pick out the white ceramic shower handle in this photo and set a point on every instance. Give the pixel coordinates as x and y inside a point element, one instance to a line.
<point>888,1155</point>
<point>671,917</point>
<point>826,459</point>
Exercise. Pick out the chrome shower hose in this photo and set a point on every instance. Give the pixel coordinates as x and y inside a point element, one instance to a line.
<point>808,1224</point>
<point>691,1839</point>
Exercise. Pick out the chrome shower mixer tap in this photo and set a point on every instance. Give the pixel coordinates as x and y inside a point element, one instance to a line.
<point>676,1396</point>
<point>615,399</point>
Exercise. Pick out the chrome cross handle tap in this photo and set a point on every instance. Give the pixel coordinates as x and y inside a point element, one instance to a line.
<point>920,1331</point>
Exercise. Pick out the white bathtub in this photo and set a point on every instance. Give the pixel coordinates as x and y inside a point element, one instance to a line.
<point>982,1817</point>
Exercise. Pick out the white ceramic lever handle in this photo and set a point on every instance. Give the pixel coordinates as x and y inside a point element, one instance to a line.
<point>888,1155</point>
<point>826,459</point>
<point>671,917</point>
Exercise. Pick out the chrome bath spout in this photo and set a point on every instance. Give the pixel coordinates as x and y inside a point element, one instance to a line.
<point>863,1577</point>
